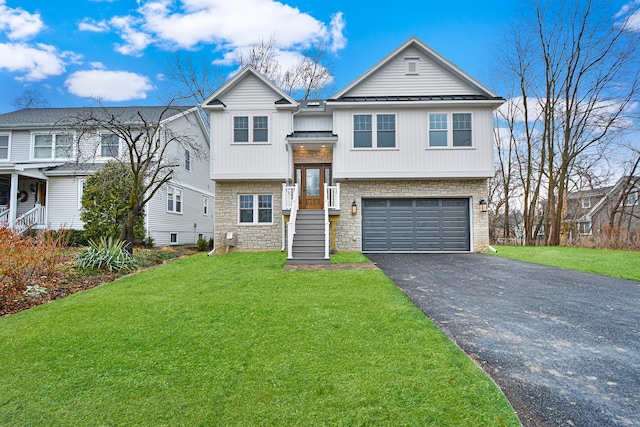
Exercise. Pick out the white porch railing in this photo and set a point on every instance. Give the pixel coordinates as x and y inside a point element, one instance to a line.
<point>332,196</point>
<point>4,217</point>
<point>326,221</point>
<point>290,202</point>
<point>29,219</point>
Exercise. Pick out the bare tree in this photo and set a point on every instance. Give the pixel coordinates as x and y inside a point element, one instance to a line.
<point>192,79</point>
<point>581,69</point>
<point>30,98</point>
<point>305,79</point>
<point>152,149</point>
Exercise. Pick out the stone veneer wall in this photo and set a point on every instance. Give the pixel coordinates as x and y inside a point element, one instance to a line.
<point>323,155</point>
<point>250,237</point>
<point>349,227</point>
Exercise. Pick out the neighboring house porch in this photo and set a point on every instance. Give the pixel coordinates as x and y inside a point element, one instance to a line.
<point>23,196</point>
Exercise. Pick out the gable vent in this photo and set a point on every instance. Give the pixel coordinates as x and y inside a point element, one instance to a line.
<point>411,66</point>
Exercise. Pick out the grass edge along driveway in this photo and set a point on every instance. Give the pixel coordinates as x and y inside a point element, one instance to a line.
<point>235,340</point>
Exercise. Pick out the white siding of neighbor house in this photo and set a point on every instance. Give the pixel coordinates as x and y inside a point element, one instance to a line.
<point>62,203</point>
<point>195,185</point>
<point>250,97</point>
<point>412,157</point>
<point>392,80</point>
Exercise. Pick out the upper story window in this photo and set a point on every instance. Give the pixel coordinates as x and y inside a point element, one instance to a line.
<point>205,206</point>
<point>439,135</point>
<point>259,127</point>
<point>4,147</point>
<point>586,202</point>
<point>187,159</point>
<point>255,209</point>
<point>385,135</point>
<point>632,198</point>
<point>53,146</point>
<point>174,199</point>
<point>109,145</point>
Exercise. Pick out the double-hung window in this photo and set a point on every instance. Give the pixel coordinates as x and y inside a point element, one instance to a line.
<point>255,209</point>
<point>259,129</point>
<point>632,198</point>
<point>586,202</point>
<point>187,159</point>
<point>460,135</point>
<point>4,147</point>
<point>174,199</point>
<point>109,145</point>
<point>53,146</point>
<point>385,135</point>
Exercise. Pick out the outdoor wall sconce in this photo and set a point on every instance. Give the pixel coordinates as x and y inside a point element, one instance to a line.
<point>354,208</point>
<point>483,206</point>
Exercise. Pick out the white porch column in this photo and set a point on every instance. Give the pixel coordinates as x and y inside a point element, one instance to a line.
<point>13,199</point>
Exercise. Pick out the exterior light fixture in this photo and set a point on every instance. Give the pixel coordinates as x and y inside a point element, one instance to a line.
<point>354,208</point>
<point>483,206</point>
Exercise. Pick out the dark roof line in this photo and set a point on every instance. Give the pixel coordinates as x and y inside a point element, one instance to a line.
<point>417,98</point>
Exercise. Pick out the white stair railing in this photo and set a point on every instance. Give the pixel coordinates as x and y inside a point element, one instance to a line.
<point>326,221</point>
<point>289,193</point>
<point>292,203</point>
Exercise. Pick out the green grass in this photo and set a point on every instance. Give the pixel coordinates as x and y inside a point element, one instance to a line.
<point>234,340</point>
<point>614,263</point>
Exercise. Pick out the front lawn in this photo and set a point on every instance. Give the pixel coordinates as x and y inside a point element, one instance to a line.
<point>607,262</point>
<point>234,340</point>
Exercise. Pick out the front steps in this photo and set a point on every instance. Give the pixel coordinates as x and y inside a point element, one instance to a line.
<point>308,242</point>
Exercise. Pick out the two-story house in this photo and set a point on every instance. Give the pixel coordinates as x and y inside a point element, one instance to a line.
<point>397,161</point>
<point>45,159</point>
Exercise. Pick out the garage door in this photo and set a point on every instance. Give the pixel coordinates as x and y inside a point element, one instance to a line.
<point>415,225</point>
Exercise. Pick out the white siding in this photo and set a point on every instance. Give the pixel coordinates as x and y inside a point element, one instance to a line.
<point>392,80</point>
<point>412,158</point>
<point>250,93</point>
<point>62,203</point>
<point>20,146</point>
<point>312,123</point>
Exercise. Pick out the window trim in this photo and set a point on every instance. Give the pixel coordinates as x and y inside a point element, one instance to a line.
<point>187,159</point>
<point>173,190</point>
<point>251,129</point>
<point>408,63</point>
<point>256,210</point>
<point>629,201</point>
<point>174,233</point>
<point>374,131</point>
<point>581,228</point>
<point>449,130</point>
<point>53,146</point>
<point>8,135</point>
<point>585,202</point>
<point>205,206</point>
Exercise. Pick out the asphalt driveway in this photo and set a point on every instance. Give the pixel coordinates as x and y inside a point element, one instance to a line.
<point>564,346</point>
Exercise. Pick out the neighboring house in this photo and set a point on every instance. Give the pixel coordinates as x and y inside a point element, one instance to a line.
<point>590,212</point>
<point>404,151</point>
<point>43,169</point>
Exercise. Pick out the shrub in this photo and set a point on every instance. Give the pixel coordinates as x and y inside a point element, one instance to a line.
<point>107,254</point>
<point>202,244</point>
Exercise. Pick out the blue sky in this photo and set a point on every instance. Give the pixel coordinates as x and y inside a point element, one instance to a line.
<point>117,50</point>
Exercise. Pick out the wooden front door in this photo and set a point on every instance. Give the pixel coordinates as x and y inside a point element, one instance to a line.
<point>311,179</point>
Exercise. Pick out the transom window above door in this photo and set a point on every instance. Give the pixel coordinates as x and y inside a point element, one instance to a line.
<point>259,129</point>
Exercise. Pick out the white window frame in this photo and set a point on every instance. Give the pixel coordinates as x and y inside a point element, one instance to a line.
<point>81,184</point>
<point>256,209</point>
<point>449,131</point>
<point>582,226</point>
<point>177,240</point>
<point>108,134</point>
<point>8,135</point>
<point>251,129</point>
<point>54,145</point>
<point>632,198</point>
<point>585,202</point>
<point>187,159</point>
<point>172,193</point>
<point>205,206</point>
<point>374,130</point>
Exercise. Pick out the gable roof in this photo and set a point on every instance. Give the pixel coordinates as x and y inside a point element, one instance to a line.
<point>483,93</point>
<point>51,117</point>
<point>213,102</point>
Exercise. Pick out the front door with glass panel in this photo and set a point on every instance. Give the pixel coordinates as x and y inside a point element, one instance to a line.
<point>311,179</point>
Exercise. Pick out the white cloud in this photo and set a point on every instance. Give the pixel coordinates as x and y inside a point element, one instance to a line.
<point>91,25</point>
<point>338,40</point>
<point>230,25</point>
<point>34,62</point>
<point>630,13</point>
<point>108,85</point>
<point>18,23</point>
